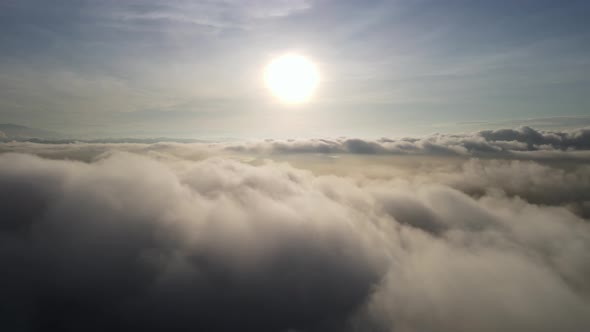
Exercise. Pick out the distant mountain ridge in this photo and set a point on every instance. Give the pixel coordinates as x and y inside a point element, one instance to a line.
<point>14,131</point>
<point>114,140</point>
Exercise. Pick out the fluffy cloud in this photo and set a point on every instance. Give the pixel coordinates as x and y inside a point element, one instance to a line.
<point>129,243</point>
<point>521,143</point>
<point>156,237</point>
<point>503,142</point>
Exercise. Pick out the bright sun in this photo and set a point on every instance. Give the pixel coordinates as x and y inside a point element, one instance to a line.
<point>292,78</point>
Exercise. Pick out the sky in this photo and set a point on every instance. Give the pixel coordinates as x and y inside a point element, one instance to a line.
<point>388,68</point>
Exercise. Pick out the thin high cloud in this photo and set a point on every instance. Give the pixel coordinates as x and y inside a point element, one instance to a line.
<point>155,237</point>
<point>212,15</point>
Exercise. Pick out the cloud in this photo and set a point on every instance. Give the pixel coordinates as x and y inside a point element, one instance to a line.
<point>496,143</point>
<point>235,249</point>
<point>216,16</point>
<point>152,237</point>
<point>578,139</point>
<point>521,143</point>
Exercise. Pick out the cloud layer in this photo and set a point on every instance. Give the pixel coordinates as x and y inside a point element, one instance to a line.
<point>156,237</point>
<point>510,142</point>
<point>522,143</point>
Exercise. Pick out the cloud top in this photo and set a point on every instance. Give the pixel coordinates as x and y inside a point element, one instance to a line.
<point>154,238</point>
<point>487,142</point>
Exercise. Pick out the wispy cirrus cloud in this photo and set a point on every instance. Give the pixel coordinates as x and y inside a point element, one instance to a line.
<point>211,14</point>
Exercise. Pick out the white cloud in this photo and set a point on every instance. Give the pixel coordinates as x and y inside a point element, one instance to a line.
<point>502,142</point>
<point>171,236</point>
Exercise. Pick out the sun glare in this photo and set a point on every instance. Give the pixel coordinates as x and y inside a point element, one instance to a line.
<point>291,78</point>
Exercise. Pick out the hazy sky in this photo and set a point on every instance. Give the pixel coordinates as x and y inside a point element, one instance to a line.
<point>194,68</point>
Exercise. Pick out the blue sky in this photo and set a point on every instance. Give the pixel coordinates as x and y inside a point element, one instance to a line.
<point>194,68</point>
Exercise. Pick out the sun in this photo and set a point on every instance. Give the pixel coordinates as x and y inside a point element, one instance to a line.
<point>292,78</point>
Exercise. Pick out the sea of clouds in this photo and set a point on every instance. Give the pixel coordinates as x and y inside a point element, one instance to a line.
<point>478,232</point>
